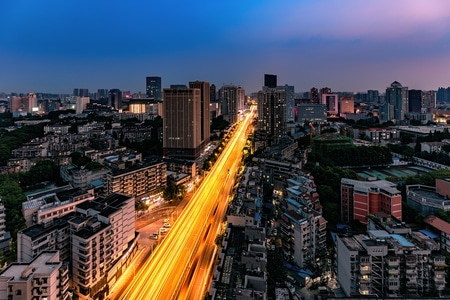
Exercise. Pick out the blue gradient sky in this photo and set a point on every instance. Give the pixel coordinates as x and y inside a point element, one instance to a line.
<point>351,45</point>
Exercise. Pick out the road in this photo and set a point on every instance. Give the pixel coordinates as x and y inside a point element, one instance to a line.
<point>189,244</point>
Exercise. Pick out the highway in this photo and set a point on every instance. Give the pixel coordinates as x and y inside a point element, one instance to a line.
<point>180,267</point>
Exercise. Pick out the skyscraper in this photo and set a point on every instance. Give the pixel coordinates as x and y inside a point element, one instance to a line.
<point>181,123</point>
<point>270,80</point>
<point>314,95</point>
<point>331,101</point>
<point>153,88</point>
<point>231,100</point>
<point>396,103</point>
<point>204,109</point>
<point>115,98</point>
<point>415,100</point>
<point>290,101</point>
<point>272,112</point>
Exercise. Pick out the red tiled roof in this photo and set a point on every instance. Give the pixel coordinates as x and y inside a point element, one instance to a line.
<point>438,223</point>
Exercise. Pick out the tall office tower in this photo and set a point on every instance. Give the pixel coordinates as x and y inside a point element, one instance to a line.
<point>229,98</point>
<point>272,114</point>
<point>204,110</point>
<point>372,96</point>
<point>270,80</point>
<point>212,93</point>
<point>181,123</point>
<point>331,101</point>
<point>153,87</point>
<point>395,105</point>
<point>76,92</point>
<point>115,98</point>
<point>81,103</point>
<point>428,100</point>
<point>347,105</point>
<point>443,94</point>
<point>290,101</point>
<point>415,100</point>
<point>314,95</point>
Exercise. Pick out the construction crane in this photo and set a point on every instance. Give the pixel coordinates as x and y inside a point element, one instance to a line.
<point>311,128</point>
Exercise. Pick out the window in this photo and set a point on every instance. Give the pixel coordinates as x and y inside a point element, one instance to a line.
<point>18,292</point>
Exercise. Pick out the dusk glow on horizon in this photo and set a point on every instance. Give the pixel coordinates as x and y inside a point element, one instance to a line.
<point>54,46</point>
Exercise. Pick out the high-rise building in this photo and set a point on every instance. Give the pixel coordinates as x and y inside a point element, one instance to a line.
<point>270,80</point>
<point>332,103</point>
<point>396,103</point>
<point>290,101</point>
<point>115,98</point>
<point>181,123</point>
<point>428,100</point>
<point>81,103</point>
<point>204,109</point>
<point>314,95</point>
<point>212,93</point>
<point>153,88</point>
<point>231,99</point>
<point>347,105</point>
<point>372,96</point>
<point>81,92</point>
<point>415,100</point>
<point>272,113</point>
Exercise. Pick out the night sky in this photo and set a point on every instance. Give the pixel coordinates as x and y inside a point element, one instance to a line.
<point>351,45</point>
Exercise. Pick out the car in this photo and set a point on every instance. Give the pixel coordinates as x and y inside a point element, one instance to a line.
<point>166,225</point>
<point>154,236</point>
<point>166,221</point>
<point>162,230</point>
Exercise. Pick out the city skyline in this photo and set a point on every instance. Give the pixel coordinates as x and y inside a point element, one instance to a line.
<point>353,46</point>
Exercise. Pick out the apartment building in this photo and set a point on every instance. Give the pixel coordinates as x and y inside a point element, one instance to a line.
<point>303,234</point>
<point>361,198</point>
<point>45,277</point>
<point>103,237</point>
<point>5,236</point>
<point>443,230</point>
<point>42,207</point>
<point>81,177</point>
<point>142,178</point>
<point>383,264</point>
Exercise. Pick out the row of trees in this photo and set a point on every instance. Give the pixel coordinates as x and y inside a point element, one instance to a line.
<point>353,157</point>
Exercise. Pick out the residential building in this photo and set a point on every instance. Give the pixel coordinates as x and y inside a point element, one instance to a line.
<point>272,114</point>
<point>45,277</point>
<point>115,98</point>
<point>388,265</point>
<point>231,100</point>
<point>81,104</point>
<point>43,206</point>
<point>153,88</point>
<point>5,236</point>
<point>396,104</point>
<point>303,235</point>
<point>103,240</point>
<point>362,198</point>
<point>142,178</point>
<point>81,177</point>
<point>443,230</point>
<point>205,123</point>
<point>182,123</point>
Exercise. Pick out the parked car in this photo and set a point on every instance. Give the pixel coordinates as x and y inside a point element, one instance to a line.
<point>162,230</point>
<point>154,236</point>
<point>166,221</point>
<point>166,225</point>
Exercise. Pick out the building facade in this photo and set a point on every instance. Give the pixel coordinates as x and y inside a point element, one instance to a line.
<point>153,88</point>
<point>182,134</point>
<point>361,198</point>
